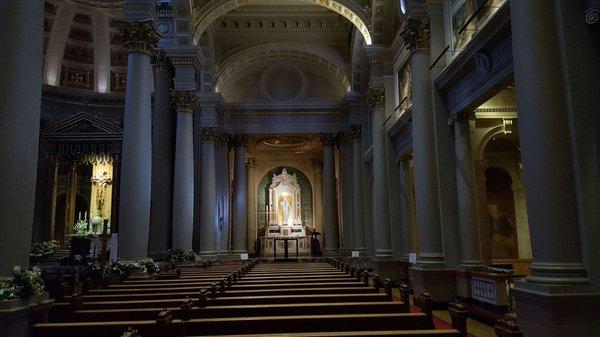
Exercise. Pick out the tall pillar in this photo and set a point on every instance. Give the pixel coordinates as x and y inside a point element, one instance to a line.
<point>318,193</point>
<point>417,39</point>
<point>465,185</point>
<point>206,235</point>
<point>357,190</point>
<point>251,231</point>
<point>330,218</point>
<point>345,146</point>
<point>405,201</point>
<point>239,195</point>
<point>136,162</point>
<point>183,180</point>
<point>163,150</point>
<point>20,96</point>
<point>556,299</point>
<point>381,214</point>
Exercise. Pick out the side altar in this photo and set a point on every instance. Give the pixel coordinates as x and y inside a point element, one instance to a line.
<point>285,236</point>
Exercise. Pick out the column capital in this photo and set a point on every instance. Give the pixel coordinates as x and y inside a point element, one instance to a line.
<point>406,156</point>
<point>160,62</point>
<point>416,33</point>
<point>251,164</point>
<point>354,132</point>
<point>238,140</point>
<point>317,163</point>
<point>184,100</point>
<point>329,139</point>
<point>208,134</point>
<point>139,36</point>
<point>376,97</point>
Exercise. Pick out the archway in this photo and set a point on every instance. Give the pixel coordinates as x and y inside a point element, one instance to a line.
<point>204,14</point>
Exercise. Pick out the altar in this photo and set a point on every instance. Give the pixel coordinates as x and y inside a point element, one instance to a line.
<point>285,234</point>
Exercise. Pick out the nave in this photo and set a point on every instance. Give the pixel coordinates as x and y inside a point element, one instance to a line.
<point>253,299</point>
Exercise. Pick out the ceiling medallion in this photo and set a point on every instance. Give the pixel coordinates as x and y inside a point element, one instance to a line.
<point>286,144</point>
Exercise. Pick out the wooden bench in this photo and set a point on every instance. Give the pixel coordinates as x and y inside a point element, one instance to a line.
<point>239,325</point>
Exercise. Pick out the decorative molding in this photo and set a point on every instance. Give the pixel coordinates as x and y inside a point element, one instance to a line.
<point>203,15</point>
<point>100,4</point>
<point>238,140</point>
<point>376,98</point>
<point>139,36</point>
<point>184,100</point>
<point>416,33</point>
<point>317,163</point>
<point>251,164</point>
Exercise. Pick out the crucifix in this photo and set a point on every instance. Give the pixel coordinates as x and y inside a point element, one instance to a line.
<point>101,181</point>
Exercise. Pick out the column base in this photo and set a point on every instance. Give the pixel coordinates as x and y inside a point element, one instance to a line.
<point>439,282</point>
<point>553,311</point>
<point>235,254</point>
<point>393,269</point>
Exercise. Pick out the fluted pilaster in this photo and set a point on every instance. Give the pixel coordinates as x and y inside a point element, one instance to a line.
<point>330,214</point>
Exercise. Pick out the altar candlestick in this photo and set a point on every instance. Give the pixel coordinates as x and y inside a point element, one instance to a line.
<point>85,215</point>
<point>79,216</point>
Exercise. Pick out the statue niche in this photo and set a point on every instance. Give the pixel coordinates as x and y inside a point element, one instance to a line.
<point>284,207</point>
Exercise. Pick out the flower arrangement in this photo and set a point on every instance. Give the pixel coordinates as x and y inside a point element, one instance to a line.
<point>81,226</point>
<point>124,269</point>
<point>44,250</point>
<point>23,284</point>
<point>180,256</point>
<point>149,266</point>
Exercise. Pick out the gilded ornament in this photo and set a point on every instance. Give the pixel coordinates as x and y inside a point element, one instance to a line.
<point>160,61</point>
<point>184,100</point>
<point>329,139</point>
<point>416,33</point>
<point>208,134</point>
<point>355,132</point>
<point>139,36</point>
<point>376,98</point>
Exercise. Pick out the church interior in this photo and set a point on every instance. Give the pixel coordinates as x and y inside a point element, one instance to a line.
<point>300,168</point>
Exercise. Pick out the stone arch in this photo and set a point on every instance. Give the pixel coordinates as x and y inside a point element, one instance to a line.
<point>486,138</point>
<point>315,55</point>
<point>204,14</point>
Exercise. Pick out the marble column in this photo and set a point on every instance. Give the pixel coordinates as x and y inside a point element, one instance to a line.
<point>357,190</point>
<point>136,161</point>
<point>163,150</point>
<point>206,235</point>
<point>405,201</point>
<point>417,39</point>
<point>21,59</point>
<point>330,214</point>
<point>251,231</point>
<point>555,300</point>
<point>465,185</point>
<point>381,213</point>
<point>239,195</point>
<point>318,193</point>
<point>546,149</point>
<point>345,148</point>
<point>185,102</point>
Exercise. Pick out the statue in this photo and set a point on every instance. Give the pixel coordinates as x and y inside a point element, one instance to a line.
<point>101,182</point>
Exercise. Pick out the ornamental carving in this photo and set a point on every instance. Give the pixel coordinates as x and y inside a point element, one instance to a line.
<point>208,134</point>
<point>160,61</point>
<point>416,33</point>
<point>139,36</point>
<point>376,98</point>
<point>251,164</point>
<point>317,163</point>
<point>354,132</point>
<point>184,100</point>
<point>329,139</point>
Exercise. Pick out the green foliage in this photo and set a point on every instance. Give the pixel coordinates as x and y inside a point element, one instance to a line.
<point>44,250</point>
<point>23,284</point>
<point>81,227</point>
<point>148,265</point>
<point>180,256</point>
